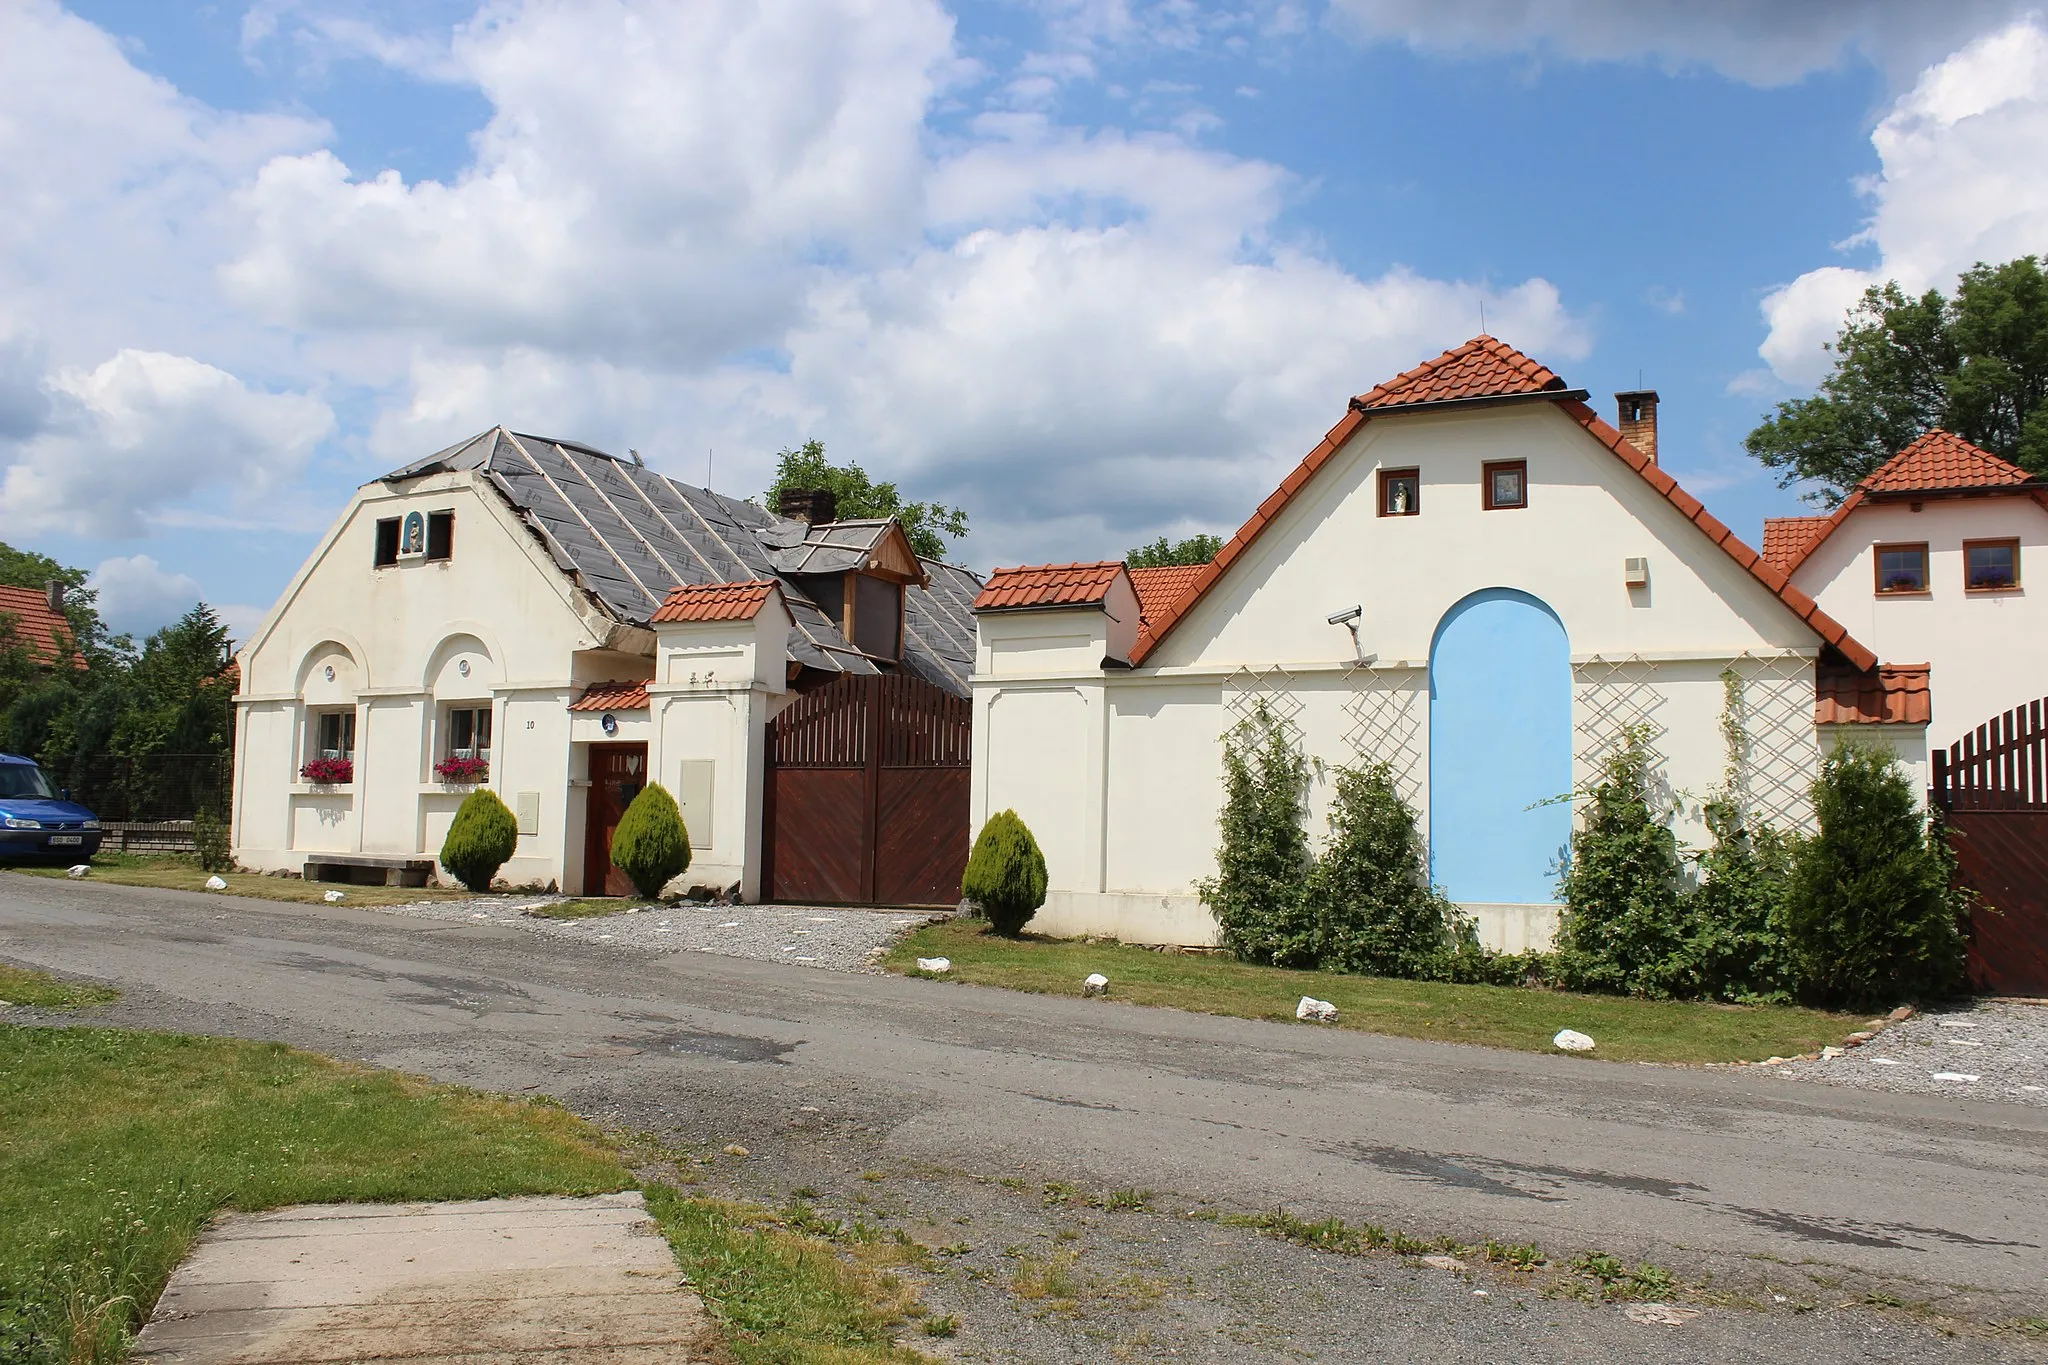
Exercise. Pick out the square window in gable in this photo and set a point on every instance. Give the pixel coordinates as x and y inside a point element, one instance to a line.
<point>1504,484</point>
<point>1400,492</point>
<point>1901,570</point>
<point>1991,565</point>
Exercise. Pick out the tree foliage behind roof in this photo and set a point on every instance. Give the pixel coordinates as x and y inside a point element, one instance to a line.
<point>1163,553</point>
<point>1976,364</point>
<point>930,526</point>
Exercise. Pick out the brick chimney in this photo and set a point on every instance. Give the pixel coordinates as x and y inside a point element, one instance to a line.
<point>1639,420</point>
<point>55,591</point>
<point>814,505</point>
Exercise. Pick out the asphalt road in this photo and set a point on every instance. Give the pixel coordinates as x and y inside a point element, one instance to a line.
<point>1772,1190</point>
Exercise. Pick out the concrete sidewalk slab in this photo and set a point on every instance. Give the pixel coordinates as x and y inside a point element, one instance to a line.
<point>552,1280</point>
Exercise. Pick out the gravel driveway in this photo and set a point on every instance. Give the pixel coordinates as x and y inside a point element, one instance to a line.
<point>1993,1050</point>
<point>811,936</point>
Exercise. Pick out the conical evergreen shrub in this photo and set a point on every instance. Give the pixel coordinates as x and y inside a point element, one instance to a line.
<point>1262,860</point>
<point>1872,910</point>
<point>1376,912</point>
<point>481,839</point>
<point>651,844</point>
<point>1005,874</point>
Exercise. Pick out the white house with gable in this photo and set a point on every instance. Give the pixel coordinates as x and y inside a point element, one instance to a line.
<point>1472,578</point>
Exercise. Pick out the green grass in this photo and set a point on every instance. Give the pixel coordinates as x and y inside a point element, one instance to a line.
<point>590,908</point>
<point>1625,1030</point>
<point>20,986</point>
<point>183,873</point>
<point>787,1296</point>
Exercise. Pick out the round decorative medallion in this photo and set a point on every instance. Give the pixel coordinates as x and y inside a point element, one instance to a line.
<point>463,668</point>
<point>609,723</point>
<point>330,672</point>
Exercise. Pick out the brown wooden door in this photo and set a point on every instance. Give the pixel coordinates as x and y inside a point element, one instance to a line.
<point>867,793</point>
<point>617,773</point>
<point>1991,787</point>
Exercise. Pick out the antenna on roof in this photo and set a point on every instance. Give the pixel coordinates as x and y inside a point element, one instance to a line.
<point>636,457</point>
<point>707,466</point>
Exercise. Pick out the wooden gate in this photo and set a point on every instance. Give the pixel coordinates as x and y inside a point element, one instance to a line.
<point>866,800</point>
<point>1991,787</point>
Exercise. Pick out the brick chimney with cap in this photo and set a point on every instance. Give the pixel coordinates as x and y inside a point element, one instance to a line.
<point>54,590</point>
<point>1638,421</point>
<point>817,506</point>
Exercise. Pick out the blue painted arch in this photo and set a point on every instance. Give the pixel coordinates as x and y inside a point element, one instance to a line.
<point>1500,748</point>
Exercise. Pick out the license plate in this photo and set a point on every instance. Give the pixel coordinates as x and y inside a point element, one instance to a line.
<point>56,839</point>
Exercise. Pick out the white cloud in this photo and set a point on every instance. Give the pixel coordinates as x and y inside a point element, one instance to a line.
<point>1764,42</point>
<point>138,595</point>
<point>1960,182</point>
<point>146,430</point>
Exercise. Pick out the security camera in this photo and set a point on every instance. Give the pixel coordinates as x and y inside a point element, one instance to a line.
<point>1346,616</point>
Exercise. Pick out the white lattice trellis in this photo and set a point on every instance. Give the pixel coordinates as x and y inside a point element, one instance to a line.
<point>1773,774</point>
<point>1251,692</point>
<point>1611,697</point>
<point>1384,717</point>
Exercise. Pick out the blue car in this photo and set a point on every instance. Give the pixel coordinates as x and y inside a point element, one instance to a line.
<point>37,823</point>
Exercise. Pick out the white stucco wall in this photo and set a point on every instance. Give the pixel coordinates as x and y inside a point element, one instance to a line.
<point>1988,651</point>
<point>1118,773</point>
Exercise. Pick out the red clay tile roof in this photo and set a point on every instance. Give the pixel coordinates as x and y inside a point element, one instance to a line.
<point>1829,630</point>
<point>1048,585</point>
<point>714,602</point>
<point>1786,539</point>
<point>1483,367</point>
<point>36,628</point>
<point>612,696</point>
<point>1939,462</point>
<point>1160,588</point>
<point>1942,459</point>
<point>1895,694</point>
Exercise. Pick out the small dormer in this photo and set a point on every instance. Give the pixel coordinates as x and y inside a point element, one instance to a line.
<point>855,570</point>
<point>1079,617</point>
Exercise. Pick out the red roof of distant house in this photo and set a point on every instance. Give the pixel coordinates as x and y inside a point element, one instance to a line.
<point>714,602</point>
<point>1048,585</point>
<point>1486,368</point>
<point>1159,588</point>
<point>612,696</point>
<point>1938,462</point>
<point>1787,539</point>
<point>1483,367</point>
<point>45,634</point>
<point>1894,694</point>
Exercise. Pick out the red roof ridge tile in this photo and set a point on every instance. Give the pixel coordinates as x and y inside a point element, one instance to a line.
<point>1889,694</point>
<point>612,696</point>
<point>1484,367</point>
<point>1049,585</point>
<point>738,601</point>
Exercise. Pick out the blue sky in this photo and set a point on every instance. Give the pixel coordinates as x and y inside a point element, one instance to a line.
<point>1094,269</point>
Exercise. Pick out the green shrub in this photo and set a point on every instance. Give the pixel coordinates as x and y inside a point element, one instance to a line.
<point>651,844</point>
<point>1872,911</point>
<point>210,838</point>
<point>1627,926</point>
<point>480,839</point>
<point>1741,945</point>
<point>1259,892</point>
<point>1376,912</point>
<point>1005,874</point>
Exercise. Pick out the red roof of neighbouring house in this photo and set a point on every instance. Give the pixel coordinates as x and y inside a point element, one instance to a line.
<point>612,696</point>
<point>1048,585</point>
<point>1486,368</point>
<point>1159,588</point>
<point>714,602</point>
<point>1938,462</point>
<point>1894,694</point>
<point>45,634</point>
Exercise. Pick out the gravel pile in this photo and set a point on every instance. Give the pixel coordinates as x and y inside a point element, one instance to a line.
<point>810,936</point>
<point>1994,1050</point>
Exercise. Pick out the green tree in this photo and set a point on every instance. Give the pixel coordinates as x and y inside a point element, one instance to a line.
<point>1872,908</point>
<point>930,526</point>
<point>1976,363</point>
<point>1259,892</point>
<point>1376,912</point>
<point>651,844</point>
<point>480,839</point>
<point>1163,553</point>
<point>1005,874</point>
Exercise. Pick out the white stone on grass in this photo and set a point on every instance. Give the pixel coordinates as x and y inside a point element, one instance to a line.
<point>1095,984</point>
<point>1571,1040</point>
<point>1830,1053</point>
<point>935,964</point>
<point>332,897</point>
<point>79,871</point>
<point>1319,1011</point>
<point>214,883</point>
